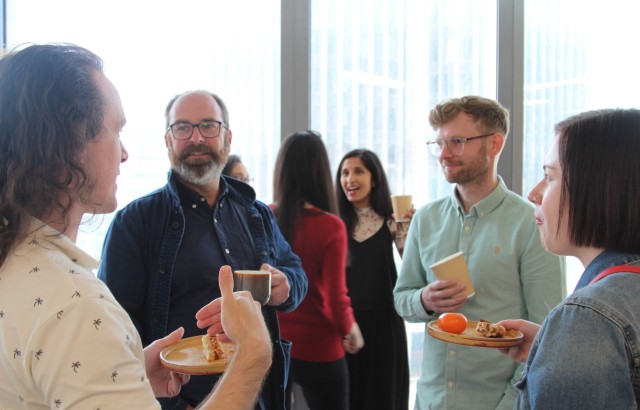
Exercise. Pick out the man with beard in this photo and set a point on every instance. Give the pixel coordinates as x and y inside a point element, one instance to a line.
<point>495,228</point>
<point>163,251</point>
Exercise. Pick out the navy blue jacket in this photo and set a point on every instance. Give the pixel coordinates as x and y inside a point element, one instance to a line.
<point>141,248</point>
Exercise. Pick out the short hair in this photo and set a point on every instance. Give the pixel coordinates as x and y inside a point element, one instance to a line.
<point>302,173</point>
<point>232,160</point>
<point>490,114</point>
<point>598,154</point>
<point>221,104</point>
<point>50,108</point>
<point>380,192</point>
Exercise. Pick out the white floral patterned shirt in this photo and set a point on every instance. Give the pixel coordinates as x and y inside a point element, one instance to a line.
<point>64,341</point>
<point>370,222</point>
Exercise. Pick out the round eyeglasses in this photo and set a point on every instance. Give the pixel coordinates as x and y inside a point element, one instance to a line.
<point>454,145</point>
<point>184,130</point>
<point>245,179</point>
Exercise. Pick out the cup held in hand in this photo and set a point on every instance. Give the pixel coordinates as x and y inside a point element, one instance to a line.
<point>257,282</point>
<point>455,267</point>
<point>401,205</point>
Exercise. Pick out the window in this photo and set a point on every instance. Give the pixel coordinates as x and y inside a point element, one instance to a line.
<point>576,59</point>
<point>151,56</point>
<point>377,69</point>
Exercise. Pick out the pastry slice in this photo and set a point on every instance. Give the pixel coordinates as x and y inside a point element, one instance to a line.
<point>488,329</point>
<point>211,348</point>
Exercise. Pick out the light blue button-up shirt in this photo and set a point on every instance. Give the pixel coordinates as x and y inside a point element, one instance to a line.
<point>513,276</point>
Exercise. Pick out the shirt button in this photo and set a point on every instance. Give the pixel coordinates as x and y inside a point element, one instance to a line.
<point>467,228</point>
<point>452,353</point>
<point>481,213</point>
<point>227,251</point>
<point>201,199</point>
<point>215,220</point>
<point>193,206</point>
<point>450,384</point>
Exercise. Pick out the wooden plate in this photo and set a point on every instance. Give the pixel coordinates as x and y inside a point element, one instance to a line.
<point>187,357</point>
<point>470,337</point>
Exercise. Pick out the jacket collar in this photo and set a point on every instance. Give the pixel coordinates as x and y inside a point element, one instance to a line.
<point>603,261</point>
<point>231,188</point>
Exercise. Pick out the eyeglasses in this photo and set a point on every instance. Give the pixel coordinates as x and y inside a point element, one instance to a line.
<point>246,180</point>
<point>184,130</point>
<point>454,145</point>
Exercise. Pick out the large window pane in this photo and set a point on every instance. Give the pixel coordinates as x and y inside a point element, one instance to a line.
<point>379,66</point>
<point>578,57</point>
<point>154,50</point>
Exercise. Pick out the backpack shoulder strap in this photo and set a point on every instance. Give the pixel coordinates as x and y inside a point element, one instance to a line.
<point>615,269</point>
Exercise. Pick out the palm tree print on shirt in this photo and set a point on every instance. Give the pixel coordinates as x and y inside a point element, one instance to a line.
<point>75,366</point>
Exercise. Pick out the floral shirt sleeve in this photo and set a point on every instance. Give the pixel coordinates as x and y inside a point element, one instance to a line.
<point>399,233</point>
<point>369,222</point>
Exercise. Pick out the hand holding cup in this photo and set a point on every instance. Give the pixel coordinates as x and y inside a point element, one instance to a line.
<point>402,206</point>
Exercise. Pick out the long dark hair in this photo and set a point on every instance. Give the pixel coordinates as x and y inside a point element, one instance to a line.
<point>50,108</point>
<point>380,192</point>
<point>302,173</point>
<point>598,154</point>
<point>232,160</point>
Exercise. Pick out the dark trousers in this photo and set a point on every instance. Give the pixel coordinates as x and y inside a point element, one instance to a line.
<point>325,385</point>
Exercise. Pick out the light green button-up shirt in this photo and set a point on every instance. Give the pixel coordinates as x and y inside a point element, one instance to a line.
<point>513,275</point>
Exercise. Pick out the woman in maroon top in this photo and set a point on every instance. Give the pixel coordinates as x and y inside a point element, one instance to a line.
<point>323,327</point>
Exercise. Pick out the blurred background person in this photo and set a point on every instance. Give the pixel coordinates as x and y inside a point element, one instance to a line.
<point>236,169</point>
<point>323,326</point>
<point>379,373</point>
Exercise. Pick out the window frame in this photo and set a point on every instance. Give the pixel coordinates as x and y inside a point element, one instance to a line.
<point>296,88</point>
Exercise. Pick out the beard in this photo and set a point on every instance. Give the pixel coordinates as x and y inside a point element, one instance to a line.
<point>475,168</point>
<point>200,171</point>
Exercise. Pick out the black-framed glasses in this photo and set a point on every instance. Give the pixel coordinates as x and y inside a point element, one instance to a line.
<point>182,130</point>
<point>454,145</point>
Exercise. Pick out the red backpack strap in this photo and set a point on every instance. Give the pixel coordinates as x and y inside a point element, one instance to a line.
<point>615,269</point>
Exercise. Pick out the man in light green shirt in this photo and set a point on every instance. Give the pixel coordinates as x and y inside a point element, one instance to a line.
<point>512,274</point>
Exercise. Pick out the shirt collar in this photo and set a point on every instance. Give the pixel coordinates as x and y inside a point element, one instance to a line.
<point>487,205</point>
<point>48,237</point>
